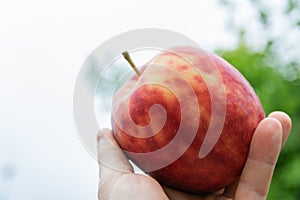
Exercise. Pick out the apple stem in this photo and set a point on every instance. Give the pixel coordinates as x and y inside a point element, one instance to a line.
<point>129,60</point>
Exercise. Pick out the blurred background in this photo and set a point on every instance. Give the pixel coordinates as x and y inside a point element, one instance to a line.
<point>44,43</point>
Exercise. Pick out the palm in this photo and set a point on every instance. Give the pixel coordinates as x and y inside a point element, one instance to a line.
<point>148,188</point>
<point>118,181</point>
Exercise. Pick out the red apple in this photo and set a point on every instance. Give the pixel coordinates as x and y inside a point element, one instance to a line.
<point>187,120</point>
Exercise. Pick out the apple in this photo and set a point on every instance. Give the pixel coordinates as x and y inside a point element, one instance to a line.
<point>187,119</point>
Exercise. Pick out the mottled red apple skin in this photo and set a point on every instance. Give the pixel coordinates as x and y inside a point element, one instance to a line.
<point>189,173</point>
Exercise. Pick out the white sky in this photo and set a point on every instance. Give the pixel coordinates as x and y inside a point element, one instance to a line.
<point>43,44</point>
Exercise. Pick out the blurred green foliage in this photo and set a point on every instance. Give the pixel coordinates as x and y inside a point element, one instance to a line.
<point>275,78</point>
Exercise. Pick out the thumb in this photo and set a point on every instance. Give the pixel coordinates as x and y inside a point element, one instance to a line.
<point>111,159</point>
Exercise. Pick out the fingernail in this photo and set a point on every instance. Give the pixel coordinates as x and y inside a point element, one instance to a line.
<point>103,133</point>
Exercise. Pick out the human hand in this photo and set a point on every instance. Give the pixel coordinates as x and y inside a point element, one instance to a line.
<point>119,182</point>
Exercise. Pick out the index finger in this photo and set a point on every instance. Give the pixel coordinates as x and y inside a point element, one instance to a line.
<point>263,154</point>
<point>286,124</point>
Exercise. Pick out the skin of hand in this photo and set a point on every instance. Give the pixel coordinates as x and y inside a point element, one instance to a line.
<point>119,182</point>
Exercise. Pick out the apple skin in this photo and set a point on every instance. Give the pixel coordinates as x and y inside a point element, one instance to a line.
<point>188,173</point>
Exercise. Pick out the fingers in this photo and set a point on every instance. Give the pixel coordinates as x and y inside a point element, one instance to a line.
<point>265,148</point>
<point>111,159</point>
<point>178,195</point>
<point>286,124</point>
<point>231,189</point>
